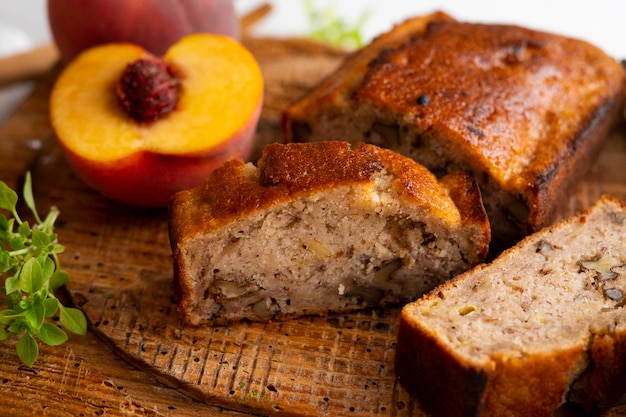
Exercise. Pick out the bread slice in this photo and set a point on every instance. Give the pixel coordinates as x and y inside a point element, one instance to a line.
<point>319,228</point>
<point>525,111</point>
<point>542,325</point>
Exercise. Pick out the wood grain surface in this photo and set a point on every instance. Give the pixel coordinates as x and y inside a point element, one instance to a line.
<point>138,358</point>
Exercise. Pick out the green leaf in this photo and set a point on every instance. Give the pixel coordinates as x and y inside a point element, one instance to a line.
<point>12,284</point>
<point>47,267</point>
<point>30,276</point>
<point>17,326</point>
<point>51,306</point>
<point>6,316</point>
<point>24,230</point>
<point>4,223</point>
<point>73,320</point>
<point>27,193</point>
<point>5,261</point>
<point>35,314</point>
<point>3,334</point>
<point>58,279</point>
<point>27,349</point>
<point>8,198</point>
<point>57,248</point>
<point>51,335</point>
<point>40,239</point>
<point>17,242</point>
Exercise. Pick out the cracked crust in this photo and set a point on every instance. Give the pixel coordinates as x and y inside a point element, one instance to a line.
<point>320,227</point>
<point>525,111</point>
<point>541,327</point>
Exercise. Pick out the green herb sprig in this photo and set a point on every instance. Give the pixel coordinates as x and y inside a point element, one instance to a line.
<point>30,264</point>
<point>327,27</point>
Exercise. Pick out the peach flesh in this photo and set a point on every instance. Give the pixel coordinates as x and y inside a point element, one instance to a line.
<point>157,175</point>
<point>144,163</point>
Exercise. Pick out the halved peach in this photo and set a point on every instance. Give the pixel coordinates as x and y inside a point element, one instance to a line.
<point>219,95</point>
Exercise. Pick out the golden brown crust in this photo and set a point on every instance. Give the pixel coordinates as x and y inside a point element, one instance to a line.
<point>286,170</point>
<point>338,85</point>
<point>525,111</point>
<point>525,76</point>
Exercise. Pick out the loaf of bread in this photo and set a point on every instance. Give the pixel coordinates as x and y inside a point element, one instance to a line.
<point>318,228</point>
<point>525,111</point>
<point>541,327</point>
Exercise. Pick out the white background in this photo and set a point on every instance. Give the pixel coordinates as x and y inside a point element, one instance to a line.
<point>23,23</point>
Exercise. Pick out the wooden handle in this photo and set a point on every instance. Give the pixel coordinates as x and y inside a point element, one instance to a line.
<point>27,65</point>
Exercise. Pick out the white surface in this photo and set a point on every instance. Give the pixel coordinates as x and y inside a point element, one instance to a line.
<point>600,21</point>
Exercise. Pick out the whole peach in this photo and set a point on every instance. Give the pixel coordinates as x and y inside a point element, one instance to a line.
<point>153,24</point>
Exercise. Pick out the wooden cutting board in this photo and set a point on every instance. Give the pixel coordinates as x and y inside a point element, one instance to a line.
<point>120,262</point>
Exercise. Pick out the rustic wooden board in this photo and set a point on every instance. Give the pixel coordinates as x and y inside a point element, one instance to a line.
<point>120,262</point>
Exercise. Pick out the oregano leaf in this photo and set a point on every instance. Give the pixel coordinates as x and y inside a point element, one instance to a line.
<point>40,239</point>
<point>73,320</point>
<point>52,335</point>
<point>58,279</point>
<point>30,276</point>
<point>17,242</point>
<point>12,284</point>
<point>35,315</point>
<point>47,267</point>
<point>27,193</point>
<point>3,334</point>
<point>8,198</point>
<point>24,229</point>
<point>51,306</point>
<point>27,349</point>
<point>17,326</point>
<point>57,248</point>
<point>4,223</point>
<point>5,316</point>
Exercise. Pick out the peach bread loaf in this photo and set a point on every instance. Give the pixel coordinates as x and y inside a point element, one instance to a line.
<point>525,111</point>
<point>318,228</point>
<point>541,327</point>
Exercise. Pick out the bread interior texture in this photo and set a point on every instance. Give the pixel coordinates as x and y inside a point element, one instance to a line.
<point>553,293</point>
<point>342,248</point>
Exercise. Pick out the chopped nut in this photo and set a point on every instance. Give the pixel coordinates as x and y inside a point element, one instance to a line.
<point>600,264</point>
<point>619,270</point>
<point>384,273</point>
<point>265,308</point>
<point>544,248</point>
<point>619,217</point>
<point>613,293</point>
